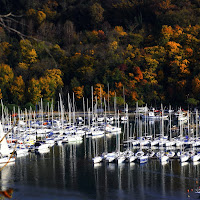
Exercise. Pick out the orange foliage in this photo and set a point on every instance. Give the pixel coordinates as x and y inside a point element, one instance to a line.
<point>166,5</point>
<point>134,95</point>
<point>101,34</point>
<point>167,31</point>
<point>189,51</point>
<point>181,83</point>
<point>118,85</point>
<point>196,85</point>
<point>174,47</point>
<point>120,30</point>
<point>138,74</point>
<point>184,69</point>
<point>94,32</point>
<point>178,31</point>
<point>98,91</point>
<point>78,91</point>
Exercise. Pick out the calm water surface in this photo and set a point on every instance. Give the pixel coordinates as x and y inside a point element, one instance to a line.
<point>67,172</point>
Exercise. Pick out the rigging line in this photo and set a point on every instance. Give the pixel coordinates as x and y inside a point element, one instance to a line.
<point>13,149</point>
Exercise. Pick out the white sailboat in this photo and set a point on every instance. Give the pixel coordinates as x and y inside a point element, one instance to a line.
<point>5,155</point>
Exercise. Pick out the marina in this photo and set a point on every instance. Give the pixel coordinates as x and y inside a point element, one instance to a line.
<point>130,155</point>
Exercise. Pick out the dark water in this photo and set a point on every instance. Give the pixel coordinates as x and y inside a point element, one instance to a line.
<point>67,172</point>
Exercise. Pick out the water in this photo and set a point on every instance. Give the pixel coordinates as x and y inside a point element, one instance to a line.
<point>67,172</point>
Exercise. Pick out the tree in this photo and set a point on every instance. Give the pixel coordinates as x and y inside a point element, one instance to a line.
<point>34,91</point>
<point>99,91</point>
<point>18,89</point>
<point>78,91</point>
<point>29,54</point>
<point>6,75</point>
<point>50,83</point>
<point>96,12</point>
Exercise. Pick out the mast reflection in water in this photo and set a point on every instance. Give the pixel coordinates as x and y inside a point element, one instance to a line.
<point>67,172</point>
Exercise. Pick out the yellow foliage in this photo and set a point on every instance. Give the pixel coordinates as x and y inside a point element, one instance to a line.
<point>129,47</point>
<point>113,45</point>
<point>49,12</point>
<point>41,16</point>
<point>150,76</point>
<point>4,48</point>
<point>78,91</point>
<point>18,88</point>
<point>31,12</point>
<point>6,74</point>
<point>131,74</point>
<point>56,76</point>
<point>34,91</point>
<point>32,56</point>
<point>151,62</point>
<point>120,30</point>
<point>29,54</point>
<point>23,66</point>
<point>91,52</point>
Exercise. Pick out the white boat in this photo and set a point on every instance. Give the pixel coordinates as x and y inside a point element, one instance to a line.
<point>42,148</point>
<point>184,158</point>
<point>141,157</point>
<point>74,138</point>
<point>111,157</point>
<point>120,158</point>
<point>130,156</point>
<point>5,156</point>
<point>195,158</point>
<point>112,129</point>
<point>164,158</point>
<point>97,159</point>
<point>124,118</point>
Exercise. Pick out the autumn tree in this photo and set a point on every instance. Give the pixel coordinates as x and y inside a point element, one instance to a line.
<point>34,91</point>
<point>99,91</point>
<point>79,92</point>
<point>50,83</point>
<point>18,90</point>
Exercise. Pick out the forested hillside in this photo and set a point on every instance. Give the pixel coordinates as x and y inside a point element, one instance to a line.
<point>147,50</point>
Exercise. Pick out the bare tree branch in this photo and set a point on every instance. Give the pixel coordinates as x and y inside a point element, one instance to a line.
<point>8,17</point>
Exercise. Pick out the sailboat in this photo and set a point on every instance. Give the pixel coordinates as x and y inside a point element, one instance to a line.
<point>5,155</point>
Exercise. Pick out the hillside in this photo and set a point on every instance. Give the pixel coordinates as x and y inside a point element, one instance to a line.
<point>145,50</point>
